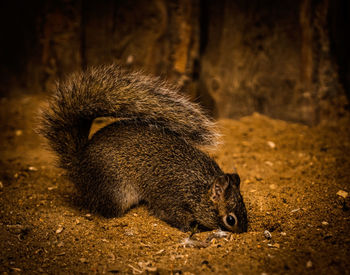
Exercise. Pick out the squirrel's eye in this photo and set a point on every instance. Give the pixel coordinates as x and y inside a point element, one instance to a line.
<point>231,221</point>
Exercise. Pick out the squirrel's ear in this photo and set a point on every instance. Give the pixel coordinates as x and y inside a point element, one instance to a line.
<point>218,188</point>
<point>233,179</point>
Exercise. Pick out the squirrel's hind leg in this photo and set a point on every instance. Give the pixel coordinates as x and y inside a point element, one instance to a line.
<point>109,199</point>
<point>103,204</point>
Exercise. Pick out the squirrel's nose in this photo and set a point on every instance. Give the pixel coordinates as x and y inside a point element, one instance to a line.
<point>240,228</point>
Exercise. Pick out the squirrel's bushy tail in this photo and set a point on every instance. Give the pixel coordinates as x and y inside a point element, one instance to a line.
<point>110,91</point>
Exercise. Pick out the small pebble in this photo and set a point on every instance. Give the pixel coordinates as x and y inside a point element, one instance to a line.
<point>325,223</point>
<point>271,144</point>
<point>342,193</point>
<point>269,163</point>
<point>309,264</point>
<point>267,234</point>
<point>283,233</point>
<point>32,168</point>
<point>295,210</point>
<point>59,230</point>
<point>1,185</point>
<point>83,260</point>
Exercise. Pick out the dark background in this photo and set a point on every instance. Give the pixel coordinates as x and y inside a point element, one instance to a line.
<point>286,59</point>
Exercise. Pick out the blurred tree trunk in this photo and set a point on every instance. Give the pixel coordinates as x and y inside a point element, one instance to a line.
<point>260,57</point>
<point>323,93</point>
<point>161,37</point>
<point>251,60</point>
<point>234,57</point>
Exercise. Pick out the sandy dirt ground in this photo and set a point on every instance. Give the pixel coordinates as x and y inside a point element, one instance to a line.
<point>295,181</point>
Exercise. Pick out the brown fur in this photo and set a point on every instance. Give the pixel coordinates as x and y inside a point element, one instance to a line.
<point>149,156</point>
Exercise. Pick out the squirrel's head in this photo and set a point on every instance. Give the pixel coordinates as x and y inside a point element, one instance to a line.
<point>226,208</point>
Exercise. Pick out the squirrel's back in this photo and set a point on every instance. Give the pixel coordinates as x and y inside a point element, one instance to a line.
<point>110,91</point>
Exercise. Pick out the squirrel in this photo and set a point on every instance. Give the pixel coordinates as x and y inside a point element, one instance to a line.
<point>150,155</point>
